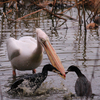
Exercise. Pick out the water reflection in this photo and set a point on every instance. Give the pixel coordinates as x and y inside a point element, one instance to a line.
<point>84,50</point>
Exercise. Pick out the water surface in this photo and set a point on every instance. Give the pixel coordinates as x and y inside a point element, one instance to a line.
<point>72,45</point>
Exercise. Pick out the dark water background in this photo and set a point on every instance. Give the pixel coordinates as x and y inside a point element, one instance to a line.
<point>72,45</point>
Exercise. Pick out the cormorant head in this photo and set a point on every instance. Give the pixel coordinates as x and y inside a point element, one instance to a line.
<point>74,69</point>
<point>49,67</point>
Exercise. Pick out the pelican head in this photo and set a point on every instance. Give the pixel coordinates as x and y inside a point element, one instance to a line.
<point>53,57</point>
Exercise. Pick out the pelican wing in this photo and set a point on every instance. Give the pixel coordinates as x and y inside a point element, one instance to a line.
<point>14,54</point>
<point>12,48</point>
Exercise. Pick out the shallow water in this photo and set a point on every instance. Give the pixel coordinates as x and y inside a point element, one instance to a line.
<point>73,46</point>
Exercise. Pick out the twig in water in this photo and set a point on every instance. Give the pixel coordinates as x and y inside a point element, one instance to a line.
<point>49,11</point>
<point>29,14</point>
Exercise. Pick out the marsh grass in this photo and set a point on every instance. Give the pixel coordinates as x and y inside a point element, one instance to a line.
<point>52,8</point>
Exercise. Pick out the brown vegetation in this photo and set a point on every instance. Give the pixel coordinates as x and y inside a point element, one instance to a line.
<point>51,8</point>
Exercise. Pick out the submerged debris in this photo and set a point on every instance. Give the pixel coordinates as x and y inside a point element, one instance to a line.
<point>92,26</point>
<point>68,96</point>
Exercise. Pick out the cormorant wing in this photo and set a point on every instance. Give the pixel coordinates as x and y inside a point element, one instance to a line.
<point>35,80</point>
<point>16,83</point>
<point>32,80</point>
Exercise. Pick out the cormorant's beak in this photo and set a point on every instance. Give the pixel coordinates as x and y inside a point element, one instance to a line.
<point>54,59</point>
<point>58,72</point>
<point>66,72</point>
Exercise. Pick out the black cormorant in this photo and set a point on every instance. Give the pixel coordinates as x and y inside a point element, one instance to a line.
<point>33,81</point>
<point>82,85</point>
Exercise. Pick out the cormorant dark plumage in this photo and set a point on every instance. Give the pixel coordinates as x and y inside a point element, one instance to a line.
<point>33,81</point>
<point>82,85</point>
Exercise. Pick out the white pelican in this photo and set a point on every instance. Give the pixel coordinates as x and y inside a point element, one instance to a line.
<point>27,53</point>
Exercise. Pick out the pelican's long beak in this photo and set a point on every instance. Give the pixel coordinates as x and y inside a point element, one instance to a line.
<point>53,57</point>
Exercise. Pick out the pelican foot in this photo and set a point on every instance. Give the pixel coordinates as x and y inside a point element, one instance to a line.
<point>34,71</point>
<point>14,74</point>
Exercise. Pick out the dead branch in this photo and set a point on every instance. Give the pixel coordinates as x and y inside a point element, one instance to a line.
<point>29,14</point>
<point>7,1</point>
<point>8,12</point>
<point>71,7</point>
<point>49,11</point>
<point>68,17</point>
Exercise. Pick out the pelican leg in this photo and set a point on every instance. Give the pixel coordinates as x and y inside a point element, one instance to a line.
<point>34,71</point>
<point>14,73</point>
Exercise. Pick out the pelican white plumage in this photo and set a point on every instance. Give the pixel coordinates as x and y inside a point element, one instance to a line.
<point>27,53</point>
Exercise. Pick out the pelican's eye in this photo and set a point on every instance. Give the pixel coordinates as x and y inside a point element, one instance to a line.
<point>42,40</point>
